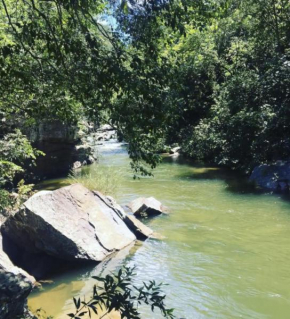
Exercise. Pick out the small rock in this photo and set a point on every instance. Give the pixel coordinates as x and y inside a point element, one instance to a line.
<point>90,160</point>
<point>105,127</point>
<point>175,150</point>
<point>83,148</point>
<point>14,195</point>
<point>105,133</point>
<point>77,165</point>
<point>146,207</point>
<point>140,230</point>
<point>49,282</point>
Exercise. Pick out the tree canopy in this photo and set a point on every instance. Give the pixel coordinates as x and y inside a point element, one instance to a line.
<point>212,75</point>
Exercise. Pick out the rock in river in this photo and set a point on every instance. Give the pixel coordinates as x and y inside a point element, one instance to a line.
<point>275,176</point>
<point>140,230</point>
<point>146,207</point>
<point>71,223</point>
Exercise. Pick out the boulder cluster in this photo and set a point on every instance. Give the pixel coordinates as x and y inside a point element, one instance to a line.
<point>58,229</point>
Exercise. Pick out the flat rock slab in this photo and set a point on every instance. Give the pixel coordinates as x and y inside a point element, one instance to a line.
<point>142,207</point>
<point>141,231</point>
<point>71,223</point>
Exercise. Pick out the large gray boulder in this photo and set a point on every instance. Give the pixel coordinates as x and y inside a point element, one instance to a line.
<point>71,223</point>
<point>143,207</point>
<point>272,176</point>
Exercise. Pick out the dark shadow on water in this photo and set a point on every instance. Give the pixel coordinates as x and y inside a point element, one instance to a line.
<point>53,184</point>
<point>179,160</point>
<point>41,265</point>
<point>82,272</point>
<point>235,181</point>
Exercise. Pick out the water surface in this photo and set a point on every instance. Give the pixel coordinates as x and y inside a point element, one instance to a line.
<point>226,252</point>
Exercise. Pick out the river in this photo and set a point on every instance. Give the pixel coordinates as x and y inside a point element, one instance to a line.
<point>226,251</point>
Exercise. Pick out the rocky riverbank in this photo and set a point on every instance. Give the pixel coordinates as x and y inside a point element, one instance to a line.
<point>59,229</point>
<point>66,146</point>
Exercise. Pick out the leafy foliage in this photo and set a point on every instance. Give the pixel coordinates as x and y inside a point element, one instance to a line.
<point>59,59</point>
<point>232,96</point>
<point>116,292</point>
<point>15,149</point>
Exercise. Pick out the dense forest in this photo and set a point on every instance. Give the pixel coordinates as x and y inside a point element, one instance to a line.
<point>212,76</point>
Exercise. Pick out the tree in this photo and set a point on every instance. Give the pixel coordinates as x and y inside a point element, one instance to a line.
<point>233,83</point>
<point>60,60</point>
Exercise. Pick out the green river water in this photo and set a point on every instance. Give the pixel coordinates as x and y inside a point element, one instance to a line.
<point>226,251</point>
